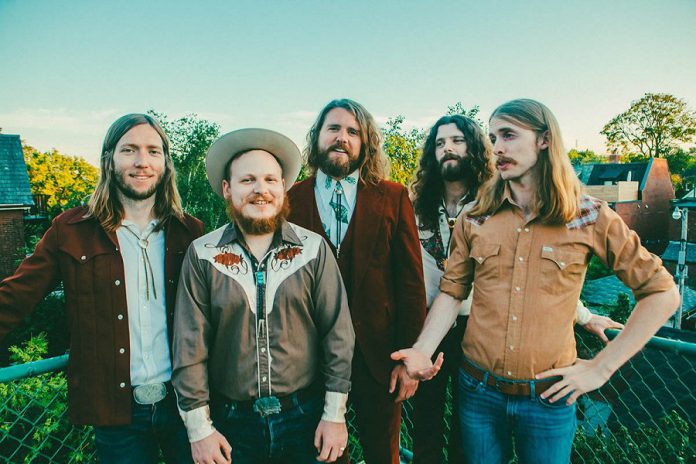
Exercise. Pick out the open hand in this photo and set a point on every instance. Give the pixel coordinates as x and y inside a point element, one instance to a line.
<point>418,365</point>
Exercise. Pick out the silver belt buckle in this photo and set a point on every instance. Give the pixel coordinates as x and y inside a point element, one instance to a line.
<point>150,393</point>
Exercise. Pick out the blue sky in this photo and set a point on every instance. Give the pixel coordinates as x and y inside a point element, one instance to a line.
<point>68,69</point>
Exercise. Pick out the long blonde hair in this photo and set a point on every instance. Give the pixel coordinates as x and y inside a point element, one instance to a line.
<point>558,191</point>
<point>104,204</point>
<point>374,165</point>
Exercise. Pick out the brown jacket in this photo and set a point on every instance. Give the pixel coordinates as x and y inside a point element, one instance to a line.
<point>79,252</point>
<point>386,293</point>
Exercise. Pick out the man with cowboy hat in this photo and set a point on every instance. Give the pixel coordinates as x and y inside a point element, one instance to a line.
<point>264,339</point>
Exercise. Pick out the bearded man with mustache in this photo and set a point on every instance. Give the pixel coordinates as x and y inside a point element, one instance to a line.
<point>264,340</point>
<point>370,226</point>
<point>455,161</point>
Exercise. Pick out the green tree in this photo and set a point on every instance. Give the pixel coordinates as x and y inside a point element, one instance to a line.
<point>403,148</point>
<point>190,137</point>
<point>653,126</point>
<point>472,113</point>
<point>66,180</point>
<point>682,166</point>
<point>585,156</point>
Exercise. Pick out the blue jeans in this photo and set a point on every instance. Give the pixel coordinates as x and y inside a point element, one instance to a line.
<point>543,432</point>
<point>286,437</point>
<point>153,427</point>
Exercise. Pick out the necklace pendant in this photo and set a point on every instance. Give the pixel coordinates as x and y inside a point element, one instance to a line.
<point>143,243</point>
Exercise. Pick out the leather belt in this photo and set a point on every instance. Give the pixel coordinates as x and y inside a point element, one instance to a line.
<point>508,386</point>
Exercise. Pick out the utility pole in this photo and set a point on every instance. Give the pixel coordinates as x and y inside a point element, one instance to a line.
<point>682,268</point>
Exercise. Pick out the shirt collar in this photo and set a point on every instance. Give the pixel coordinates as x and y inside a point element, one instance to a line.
<point>348,182</point>
<point>507,199</point>
<point>325,186</point>
<point>285,235</point>
<point>152,225</point>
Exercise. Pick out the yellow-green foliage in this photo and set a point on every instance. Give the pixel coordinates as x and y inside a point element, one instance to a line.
<point>66,180</point>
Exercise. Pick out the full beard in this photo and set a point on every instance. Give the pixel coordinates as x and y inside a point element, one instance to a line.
<point>462,170</point>
<point>335,168</point>
<point>258,226</point>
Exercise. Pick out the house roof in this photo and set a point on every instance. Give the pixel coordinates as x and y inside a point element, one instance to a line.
<point>687,201</point>
<point>605,291</point>
<point>617,172</point>
<point>14,180</point>
<point>672,252</point>
<point>584,171</point>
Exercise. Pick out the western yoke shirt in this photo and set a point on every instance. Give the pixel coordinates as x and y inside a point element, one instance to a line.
<point>435,247</point>
<point>246,329</point>
<point>527,278</point>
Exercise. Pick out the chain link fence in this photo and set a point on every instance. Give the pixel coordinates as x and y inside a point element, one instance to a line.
<point>645,414</point>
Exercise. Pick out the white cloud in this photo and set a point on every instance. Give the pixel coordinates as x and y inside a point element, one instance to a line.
<point>69,131</point>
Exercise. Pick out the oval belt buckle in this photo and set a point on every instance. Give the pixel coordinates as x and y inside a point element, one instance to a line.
<point>150,393</point>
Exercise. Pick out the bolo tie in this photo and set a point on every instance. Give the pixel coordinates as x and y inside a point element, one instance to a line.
<point>451,221</point>
<point>341,214</point>
<point>147,264</point>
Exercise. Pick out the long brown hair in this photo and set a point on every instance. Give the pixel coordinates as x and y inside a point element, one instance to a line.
<point>428,187</point>
<point>104,204</point>
<point>558,190</point>
<point>374,165</point>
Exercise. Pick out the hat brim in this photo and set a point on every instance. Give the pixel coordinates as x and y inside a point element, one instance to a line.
<point>233,143</point>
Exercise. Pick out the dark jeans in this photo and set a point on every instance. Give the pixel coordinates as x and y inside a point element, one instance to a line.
<point>286,437</point>
<point>543,432</point>
<point>153,427</point>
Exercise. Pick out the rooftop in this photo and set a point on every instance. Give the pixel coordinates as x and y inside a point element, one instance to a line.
<point>14,180</point>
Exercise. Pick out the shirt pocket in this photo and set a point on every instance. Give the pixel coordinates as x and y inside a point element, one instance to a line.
<point>561,269</point>
<point>487,259</point>
<point>88,272</point>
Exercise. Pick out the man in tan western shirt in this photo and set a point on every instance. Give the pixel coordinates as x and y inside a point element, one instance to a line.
<point>525,246</point>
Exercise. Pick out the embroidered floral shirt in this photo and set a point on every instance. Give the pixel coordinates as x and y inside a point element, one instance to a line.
<point>246,329</point>
<point>435,249</point>
<point>527,278</point>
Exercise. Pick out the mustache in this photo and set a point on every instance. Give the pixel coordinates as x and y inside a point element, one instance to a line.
<point>451,157</point>
<point>503,159</point>
<point>335,146</point>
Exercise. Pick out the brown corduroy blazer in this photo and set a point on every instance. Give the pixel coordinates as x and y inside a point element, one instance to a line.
<point>387,293</point>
